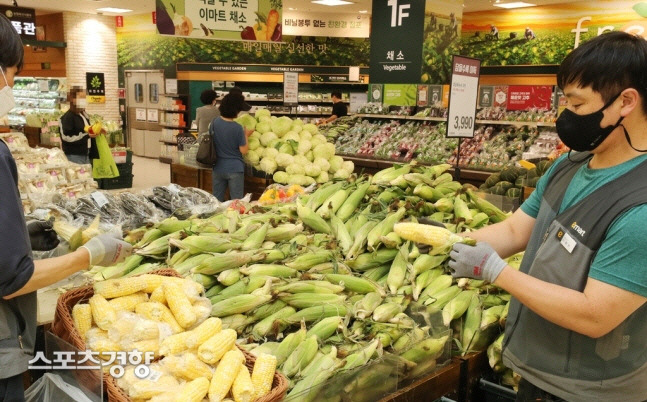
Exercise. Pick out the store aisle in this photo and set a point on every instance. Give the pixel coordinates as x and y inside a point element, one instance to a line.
<point>149,172</point>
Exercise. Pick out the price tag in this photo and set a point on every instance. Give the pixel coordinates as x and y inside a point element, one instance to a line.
<point>99,199</point>
<point>568,242</point>
<point>462,97</point>
<point>154,375</point>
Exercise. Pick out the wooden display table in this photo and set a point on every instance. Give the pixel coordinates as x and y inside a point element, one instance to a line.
<point>444,381</point>
<point>199,177</point>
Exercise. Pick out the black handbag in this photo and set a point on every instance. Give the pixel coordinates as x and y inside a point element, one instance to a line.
<point>206,150</point>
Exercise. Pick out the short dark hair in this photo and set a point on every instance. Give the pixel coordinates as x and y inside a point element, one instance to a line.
<point>232,104</point>
<point>608,64</point>
<point>74,90</point>
<point>336,95</point>
<point>11,50</point>
<point>208,96</point>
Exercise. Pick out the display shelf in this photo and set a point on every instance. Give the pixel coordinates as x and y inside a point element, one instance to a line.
<point>168,142</point>
<point>444,119</point>
<point>426,118</point>
<point>517,123</point>
<point>166,160</point>
<point>175,127</point>
<point>380,116</point>
<point>172,111</point>
<point>443,381</point>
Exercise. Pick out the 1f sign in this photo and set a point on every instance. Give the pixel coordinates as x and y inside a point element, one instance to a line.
<point>397,12</point>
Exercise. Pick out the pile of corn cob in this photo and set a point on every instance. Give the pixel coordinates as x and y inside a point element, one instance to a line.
<point>169,317</point>
<point>329,273</point>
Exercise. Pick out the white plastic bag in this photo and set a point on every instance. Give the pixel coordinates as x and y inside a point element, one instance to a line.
<point>52,387</point>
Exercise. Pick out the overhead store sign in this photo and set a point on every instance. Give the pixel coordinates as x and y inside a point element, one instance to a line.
<point>462,97</point>
<point>22,19</point>
<point>396,40</point>
<point>220,19</point>
<point>303,23</point>
<point>96,87</point>
<point>524,97</point>
<point>257,68</point>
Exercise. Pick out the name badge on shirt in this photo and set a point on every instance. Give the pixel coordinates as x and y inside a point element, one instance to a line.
<point>568,242</point>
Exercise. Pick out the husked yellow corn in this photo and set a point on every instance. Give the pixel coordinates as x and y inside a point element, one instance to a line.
<point>147,345</point>
<point>158,312</point>
<point>105,347</point>
<point>225,375</point>
<point>146,389</point>
<point>128,303</point>
<point>113,288</point>
<point>263,374</point>
<point>212,350</point>
<point>203,332</point>
<point>243,389</point>
<point>158,295</point>
<point>82,315</point>
<point>191,288</point>
<point>179,304</point>
<point>174,344</point>
<point>426,234</point>
<point>187,366</point>
<point>102,312</point>
<point>194,391</point>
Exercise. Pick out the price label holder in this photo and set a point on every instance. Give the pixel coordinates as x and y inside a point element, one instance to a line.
<point>463,95</point>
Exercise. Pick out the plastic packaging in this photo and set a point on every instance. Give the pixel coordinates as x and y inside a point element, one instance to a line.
<point>52,387</point>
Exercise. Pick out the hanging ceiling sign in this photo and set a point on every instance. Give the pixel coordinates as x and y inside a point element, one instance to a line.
<point>22,19</point>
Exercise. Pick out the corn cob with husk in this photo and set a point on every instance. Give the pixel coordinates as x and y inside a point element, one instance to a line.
<point>386,311</point>
<point>357,221</point>
<point>352,202</point>
<point>289,344</point>
<point>184,267</point>
<point>365,307</point>
<point>272,322</point>
<point>367,261</point>
<point>410,338</point>
<point>341,234</point>
<point>333,203</point>
<point>354,283</point>
<point>311,286</point>
<point>159,246</point>
<point>309,260</point>
<point>229,277</point>
<point>92,230</point>
<point>317,198</point>
<point>283,232</point>
<point>462,211</point>
<point>172,224</point>
<point>360,239</point>
<point>457,306</point>
<point>383,228</point>
<point>217,263</point>
<point>316,313</point>
<point>494,353</point>
<point>398,270</point>
<point>239,304</point>
<point>179,257</point>
<point>425,262</point>
<point>69,233</point>
<point>423,280</point>
<point>305,300</point>
<point>326,328</point>
<point>376,273</point>
<point>119,270</point>
<point>279,271</point>
<point>206,243</point>
<point>301,356</point>
<point>362,356</point>
<point>233,290</point>
<point>495,214</point>
<point>438,300</point>
<point>256,238</point>
<point>430,348</point>
<point>385,176</point>
<point>312,219</point>
<point>264,311</point>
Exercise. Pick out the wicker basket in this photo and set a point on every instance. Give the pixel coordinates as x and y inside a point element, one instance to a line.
<point>63,327</point>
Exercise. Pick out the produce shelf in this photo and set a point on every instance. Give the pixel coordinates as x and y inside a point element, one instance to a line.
<point>444,381</point>
<point>443,119</point>
<point>517,123</point>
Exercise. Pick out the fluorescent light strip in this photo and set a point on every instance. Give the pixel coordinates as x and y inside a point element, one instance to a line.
<point>516,4</point>
<point>113,10</point>
<point>332,2</point>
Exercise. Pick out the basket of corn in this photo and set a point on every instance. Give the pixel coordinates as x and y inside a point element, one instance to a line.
<point>168,317</point>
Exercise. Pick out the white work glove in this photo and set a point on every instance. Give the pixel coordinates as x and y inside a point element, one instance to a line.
<point>478,262</point>
<point>107,249</point>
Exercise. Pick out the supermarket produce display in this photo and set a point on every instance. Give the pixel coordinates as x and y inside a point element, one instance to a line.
<point>327,283</point>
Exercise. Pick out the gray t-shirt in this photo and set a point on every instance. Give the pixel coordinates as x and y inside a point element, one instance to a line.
<point>228,136</point>
<point>205,115</point>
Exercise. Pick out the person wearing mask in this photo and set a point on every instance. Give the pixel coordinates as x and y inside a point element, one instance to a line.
<point>339,108</point>
<point>20,275</point>
<point>230,141</point>
<point>79,146</point>
<point>204,115</point>
<point>577,324</point>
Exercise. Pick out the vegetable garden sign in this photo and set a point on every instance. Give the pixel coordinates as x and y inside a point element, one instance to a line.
<point>258,20</point>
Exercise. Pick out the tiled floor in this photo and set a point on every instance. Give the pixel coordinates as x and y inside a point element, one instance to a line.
<point>149,173</point>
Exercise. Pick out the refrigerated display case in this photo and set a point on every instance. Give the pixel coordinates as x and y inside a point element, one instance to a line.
<point>36,95</point>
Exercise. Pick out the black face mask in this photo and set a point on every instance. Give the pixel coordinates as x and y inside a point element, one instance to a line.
<point>583,132</point>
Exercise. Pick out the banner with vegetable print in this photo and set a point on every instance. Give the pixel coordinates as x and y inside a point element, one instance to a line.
<point>545,34</point>
<point>441,39</point>
<point>221,19</point>
<point>140,46</point>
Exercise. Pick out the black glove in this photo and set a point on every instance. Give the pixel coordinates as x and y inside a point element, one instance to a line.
<point>42,236</point>
<point>425,248</point>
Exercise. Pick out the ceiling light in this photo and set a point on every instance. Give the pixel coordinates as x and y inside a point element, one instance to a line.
<point>332,2</point>
<point>114,10</point>
<point>363,11</point>
<point>516,4</point>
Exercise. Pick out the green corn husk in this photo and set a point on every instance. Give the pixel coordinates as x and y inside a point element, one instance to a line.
<point>244,232</point>
<point>283,232</point>
<point>457,306</point>
<point>495,357</point>
<point>268,348</point>
<point>495,214</point>
<point>398,270</point>
<point>256,282</point>
<point>444,204</point>
<point>217,263</point>
<point>424,191</point>
<point>470,284</point>
<point>427,349</point>
<point>386,311</point>
<point>234,321</point>
<point>341,234</point>
<point>316,313</point>
<point>305,300</point>
<point>424,280</point>
<point>273,255</point>
<point>272,322</point>
<point>119,270</point>
<point>333,203</point>
<point>238,305</point>
<point>385,176</point>
<point>504,315</point>
<point>279,271</point>
<point>471,323</point>
<point>383,228</point>
<point>312,220</point>
<point>360,239</point>
<point>150,236</point>
<point>172,225</point>
<point>415,179</point>
<point>439,284</point>
<point>438,300</point>
<point>178,258</point>
<point>135,235</point>
<point>301,357</point>
<point>491,316</point>
<point>330,268</point>
<point>207,281</point>
<point>214,291</point>
<point>289,344</point>
<point>352,202</point>
<point>326,328</point>
<point>309,260</point>
<point>449,188</point>
<point>190,263</point>
<point>159,246</point>
<point>479,219</point>
<point>367,261</point>
<point>236,289</point>
<point>365,307</point>
<point>308,388</point>
<point>374,274</point>
<point>355,298</point>
<point>357,221</point>
<point>143,269</point>
<point>361,357</point>
<point>491,300</point>
<point>437,170</point>
<point>323,361</point>
<point>310,287</point>
<point>265,311</point>
<point>317,198</point>
<point>462,211</point>
<point>255,239</point>
<point>354,283</point>
<point>229,277</point>
<point>442,178</point>
<point>414,336</point>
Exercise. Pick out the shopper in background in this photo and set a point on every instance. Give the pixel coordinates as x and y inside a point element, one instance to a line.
<point>230,141</point>
<point>339,108</point>
<point>577,325</point>
<point>204,115</point>
<point>20,275</point>
<point>79,146</point>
